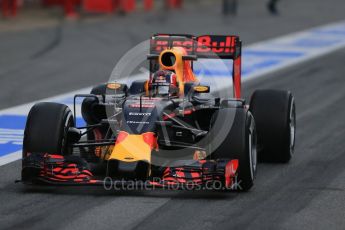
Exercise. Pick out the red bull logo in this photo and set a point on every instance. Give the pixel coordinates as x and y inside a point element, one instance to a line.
<point>203,44</point>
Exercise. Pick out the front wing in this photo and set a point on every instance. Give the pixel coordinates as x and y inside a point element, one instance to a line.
<point>73,170</point>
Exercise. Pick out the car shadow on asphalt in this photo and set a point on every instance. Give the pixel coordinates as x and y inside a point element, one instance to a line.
<point>102,192</point>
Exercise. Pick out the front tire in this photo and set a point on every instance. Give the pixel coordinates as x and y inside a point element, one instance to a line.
<point>275,115</point>
<point>46,129</point>
<point>239,143</point>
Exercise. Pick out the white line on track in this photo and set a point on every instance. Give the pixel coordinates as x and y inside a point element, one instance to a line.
<point>10,157</point>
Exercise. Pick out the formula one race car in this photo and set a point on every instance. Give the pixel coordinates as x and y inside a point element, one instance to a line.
<point>169,127</point>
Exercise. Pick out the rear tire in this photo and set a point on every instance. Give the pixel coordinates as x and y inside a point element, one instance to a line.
<point>275,115</point>
<point>239,143</point>
<point>93,114</point>
<point>46,129</point>
<point>90,109</point>
<point>137,87</point>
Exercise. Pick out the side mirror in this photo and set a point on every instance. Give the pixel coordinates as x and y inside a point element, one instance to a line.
<point>201,89</point>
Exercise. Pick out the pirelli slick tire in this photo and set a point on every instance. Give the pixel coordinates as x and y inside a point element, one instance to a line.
<point>46,129</point>
<point>106,88</point>
<point>238,143</point>
<point>137,87</point>
<point>91,110</point>
<point>93,113</point>
<point>275,116</point>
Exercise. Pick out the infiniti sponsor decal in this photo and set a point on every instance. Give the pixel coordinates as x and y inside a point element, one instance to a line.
<point>138,122</point>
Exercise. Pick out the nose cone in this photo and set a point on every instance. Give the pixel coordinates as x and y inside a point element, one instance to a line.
<point>134,147</point>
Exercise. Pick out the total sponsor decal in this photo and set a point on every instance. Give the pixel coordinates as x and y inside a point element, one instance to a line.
<point>259,59</point>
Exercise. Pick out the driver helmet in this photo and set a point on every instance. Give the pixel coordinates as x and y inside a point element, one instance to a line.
<point>164,82</point>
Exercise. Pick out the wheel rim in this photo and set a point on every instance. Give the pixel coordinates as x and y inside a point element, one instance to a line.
<point>68,123</point>
<point>292,124</point>
<point>253,152</point>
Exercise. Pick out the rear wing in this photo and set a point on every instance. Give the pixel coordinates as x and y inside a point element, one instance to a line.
<point>205,46</point>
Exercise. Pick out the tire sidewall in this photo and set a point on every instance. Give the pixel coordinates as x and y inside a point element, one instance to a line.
<point>47,128</point>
